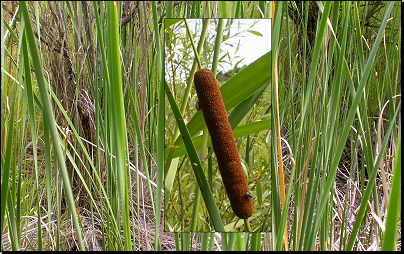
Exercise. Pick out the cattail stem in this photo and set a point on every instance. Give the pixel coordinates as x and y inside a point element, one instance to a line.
<point>247,225</point>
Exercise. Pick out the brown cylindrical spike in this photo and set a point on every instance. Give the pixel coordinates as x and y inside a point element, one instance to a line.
<point>224,146</point>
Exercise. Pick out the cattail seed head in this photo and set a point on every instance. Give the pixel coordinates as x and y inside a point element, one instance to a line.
<point>224,146</point>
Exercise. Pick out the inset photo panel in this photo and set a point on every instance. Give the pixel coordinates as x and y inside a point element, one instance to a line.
<point>217,126</point>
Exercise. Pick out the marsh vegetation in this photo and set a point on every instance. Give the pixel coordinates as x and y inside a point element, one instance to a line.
<point>89,122</point>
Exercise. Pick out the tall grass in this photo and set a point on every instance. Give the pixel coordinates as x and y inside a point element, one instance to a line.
<point>86,131</point>
<point>86,113</point>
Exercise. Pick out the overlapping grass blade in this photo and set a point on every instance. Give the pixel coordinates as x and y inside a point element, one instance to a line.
<point>47,110</point>
<point>394,206</point>
<point>118,123</point>
<point>160,125</point>
<point>196,164</point>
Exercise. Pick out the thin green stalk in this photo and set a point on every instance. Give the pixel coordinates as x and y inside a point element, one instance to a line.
<point>211,242</point>
<point>275,188</point>
<point>118,117</point>
<point>195,210</point>
<point>204,241</point>
<point>193,70</point>
<point>6,162</point>
<point>224,240</point>
<point>28,85</point>
<point>11,167</point>
<point>191,39</point>
<point>232,240</point>
<point>12,225</point>
<point>255,244</point>
<point>247,225</point>
<point>394,207</point>
<point>185,238</point>
<point>285,210</point>
<point>240,242</point>
<point>223,10</point>
<point>170,5</point>
<point>22,148</point>
<point>160,126</point>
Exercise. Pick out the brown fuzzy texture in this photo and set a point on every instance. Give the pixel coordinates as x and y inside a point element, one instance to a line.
<point>224,146</point>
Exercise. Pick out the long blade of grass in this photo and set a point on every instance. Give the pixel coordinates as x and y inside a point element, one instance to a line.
<point>394,206</point>
<point>196,164</point>
<point>278,133</point>
<point>47,110</point>
<point>160,125</point>
<point>118,117</point>
<point>28,86</point>
<point>275,185</point>
<point>6,166</point>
